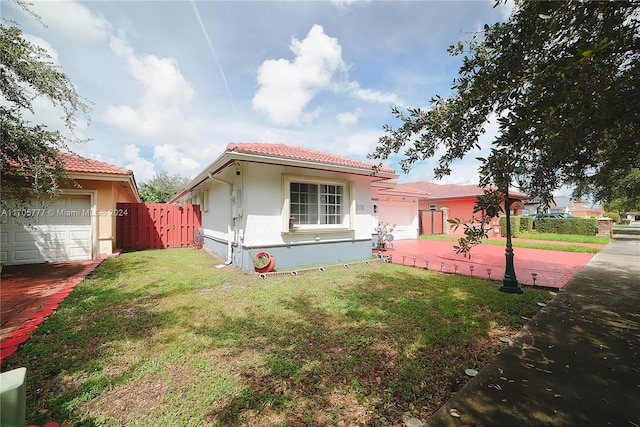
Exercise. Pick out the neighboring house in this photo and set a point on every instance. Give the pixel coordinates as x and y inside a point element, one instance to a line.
<point>578,208</point>
<point>77,226</point>
<point>397,206</point>
<point>581,208</point>
<point>531,207</point>
<point>560,205</point>
<point>436,203</point>
<point>299,205</point>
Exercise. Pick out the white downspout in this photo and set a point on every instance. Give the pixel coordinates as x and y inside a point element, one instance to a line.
<point>229,229</point>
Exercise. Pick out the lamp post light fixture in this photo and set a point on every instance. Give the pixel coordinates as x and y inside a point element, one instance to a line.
<point>509,281</point>
<point>471,267</point>
<point>534,276</point>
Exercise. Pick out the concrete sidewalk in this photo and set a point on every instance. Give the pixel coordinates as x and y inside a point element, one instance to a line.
<point>577,363</point>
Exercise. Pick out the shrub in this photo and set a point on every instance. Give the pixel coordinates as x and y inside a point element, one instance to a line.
<point>515,226</point>
<point>579,226</point>
<point>526,223</point>
<point>614,216</point>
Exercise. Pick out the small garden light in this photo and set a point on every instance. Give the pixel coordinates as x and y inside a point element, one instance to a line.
<point>441,265</point>
<point>471,267</point>
<point>489,272</point>
<point>403,257</point>
<point>534,276</point>
<point>455,267</point>
<point>426,263</point>
<point>414,261</point>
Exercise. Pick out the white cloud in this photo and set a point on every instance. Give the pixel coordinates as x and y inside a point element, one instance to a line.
<point>344,4</point>
<point>371,95</point>
<point>72,19</point>
<point>348,117</point>
<point>143,168</point>
<point>357,144</point>
<point>287,87</point>
<point>174,161</point>
<point>165,93</point>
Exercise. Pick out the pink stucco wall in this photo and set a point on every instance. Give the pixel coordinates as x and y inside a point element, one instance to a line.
<point>457,208</point>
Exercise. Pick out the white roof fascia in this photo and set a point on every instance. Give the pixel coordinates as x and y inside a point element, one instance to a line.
<point>99,176</point>
<point>282,161</point>
<point>231,156</point>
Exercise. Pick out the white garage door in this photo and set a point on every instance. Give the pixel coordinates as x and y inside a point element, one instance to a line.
<point>60,232</point>
<point>403,215</point>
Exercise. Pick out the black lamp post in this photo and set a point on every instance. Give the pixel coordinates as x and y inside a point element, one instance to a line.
<point>509,281</point>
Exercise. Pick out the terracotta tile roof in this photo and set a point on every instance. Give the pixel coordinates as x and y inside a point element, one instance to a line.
<point>403,189</point>
<point>298,153</point>
<point>75,163</point>
<point>435,191</point>
<point>446,191</point>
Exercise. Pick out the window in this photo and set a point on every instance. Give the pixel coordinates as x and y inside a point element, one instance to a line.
<point>316,204</point>
<point>433,207</point>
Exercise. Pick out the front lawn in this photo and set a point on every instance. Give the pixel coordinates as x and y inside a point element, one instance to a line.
<point>545,241</point>
<point>574,238</point>
<point>164,338</point>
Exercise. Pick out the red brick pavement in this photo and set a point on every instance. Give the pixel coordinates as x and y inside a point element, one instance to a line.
<point>31,293</point>
<point>554,268</point>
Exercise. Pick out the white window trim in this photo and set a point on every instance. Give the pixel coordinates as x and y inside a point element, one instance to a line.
<point>349,205</point>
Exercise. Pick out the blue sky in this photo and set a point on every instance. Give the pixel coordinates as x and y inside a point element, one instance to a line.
<point>172,82</point>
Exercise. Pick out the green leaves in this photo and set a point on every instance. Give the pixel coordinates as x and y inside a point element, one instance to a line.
<point>29,161</point>
<point>563,81</point>
<point>162,187</point>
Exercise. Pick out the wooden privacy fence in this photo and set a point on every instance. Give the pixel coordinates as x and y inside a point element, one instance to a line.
<point>431,222</point>
<point>156,225</point>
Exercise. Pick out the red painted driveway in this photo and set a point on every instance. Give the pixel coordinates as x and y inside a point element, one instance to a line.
<point>554,268</point>
<point>31,293</point>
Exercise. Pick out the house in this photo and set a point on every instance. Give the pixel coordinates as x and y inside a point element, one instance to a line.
<point>577,208</point>
<point>79,225</point>
<point>531,207</point>
<point>436,203</point>
<point>582,209</point>
<point>397,206</point>
<point>560,205</point>
<point>299,205</point>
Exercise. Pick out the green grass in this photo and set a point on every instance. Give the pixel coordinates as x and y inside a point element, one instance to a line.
<point>573,242</point>
<point>161,338</point>
<point>564,237</point>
